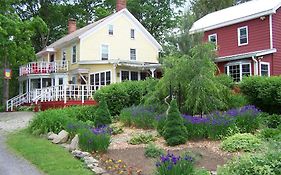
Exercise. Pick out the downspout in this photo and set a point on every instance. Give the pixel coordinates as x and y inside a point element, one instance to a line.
<point>255,65</point>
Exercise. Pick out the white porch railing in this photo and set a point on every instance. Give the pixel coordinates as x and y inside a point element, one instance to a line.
<point>43,67</point>
<point>54,93</point>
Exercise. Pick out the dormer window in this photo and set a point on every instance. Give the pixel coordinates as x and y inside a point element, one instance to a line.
<point>110,29</point>
<point>242,36</point>
<point>213,39</point>
<point>132,33</point>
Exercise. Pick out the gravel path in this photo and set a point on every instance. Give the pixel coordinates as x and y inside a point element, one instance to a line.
<point>11,164</point>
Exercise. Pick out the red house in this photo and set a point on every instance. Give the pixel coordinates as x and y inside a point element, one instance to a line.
<point>247,38</point>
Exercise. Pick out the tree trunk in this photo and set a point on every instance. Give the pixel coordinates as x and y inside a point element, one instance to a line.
<point>5,82</point>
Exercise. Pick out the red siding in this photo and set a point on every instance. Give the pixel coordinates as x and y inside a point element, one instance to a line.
<point>276,29</point>
<point>258,33</point>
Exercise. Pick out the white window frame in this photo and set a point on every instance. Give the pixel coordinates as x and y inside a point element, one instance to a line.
<point>216,36</point>
<point>135,54</point>
<point>247,34</point>
<point>104,71</point>
<point>265,63</point>
<point>107,53</point>
<point>109,26</point>
<point>120,73</point>
<point>62,56</point>
<point>240,68</point>
<point>72,54</point>
<point>134,37</point>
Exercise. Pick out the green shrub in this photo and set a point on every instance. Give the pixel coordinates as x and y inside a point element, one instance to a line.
<point>125,94</point>
<point>263,92</point>
<point>270,133</point>
<point>73,127</point>
<point>82,113</point>
<point>237,100</point>
<point>152,151</point>
<point>267,163</point>
<point>102,115</point>
<point>174,130</point>
<point>25,108</point>
<point>96,139</point>
<point>141,139</point>
<point>241,142</point>
<point>161,121</point>
<point>139,116</point>
<point>225,80</point>
<point>273,121</point>
<point>115,129</point>
<point>50,121</point>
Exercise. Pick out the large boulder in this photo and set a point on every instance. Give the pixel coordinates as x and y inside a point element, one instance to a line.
<point>61,138</point>
<point>74,143</point>
<point>52,136</point>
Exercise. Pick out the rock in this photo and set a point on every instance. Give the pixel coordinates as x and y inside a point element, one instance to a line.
<point>213,173</point>
<point>62,137</point>
<point>98,170</point>
<point>85,154</point>
<point>74,143</point>
<point>90,160</point>
<point>66,146</point>
<point>52,136</point>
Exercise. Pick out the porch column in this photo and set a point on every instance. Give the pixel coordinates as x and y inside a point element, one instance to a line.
<point>152,70</point>
<point>29,85</point>
<point>26,85</point>
<point>20,87</point>
<point>41,83</point>
<point>114,73</point>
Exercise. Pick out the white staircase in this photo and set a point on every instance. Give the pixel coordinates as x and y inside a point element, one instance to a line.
<point>54,93</point>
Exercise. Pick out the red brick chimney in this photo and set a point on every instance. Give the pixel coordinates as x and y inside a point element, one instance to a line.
<point>121,4</point>
<point>71,25</point>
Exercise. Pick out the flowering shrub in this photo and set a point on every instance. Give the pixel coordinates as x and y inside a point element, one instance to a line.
<point>220,124</point>
<point>94,139</point>
<point>139,116</point>
<point>175,165</point>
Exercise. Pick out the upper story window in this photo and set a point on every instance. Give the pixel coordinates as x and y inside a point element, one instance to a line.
<point>63,56</point>
<point>133,54</point>
<point>104,52</point>
<point>110,29</point>
<point>74,54</point>
<point>264,69</point>
<point>132,33</point>
<point>238,70</point>
<point>243,36</point>
<point>213,39</point>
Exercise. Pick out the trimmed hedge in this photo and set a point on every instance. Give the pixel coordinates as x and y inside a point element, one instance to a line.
<point>263,92</point>
<point>125,94</point>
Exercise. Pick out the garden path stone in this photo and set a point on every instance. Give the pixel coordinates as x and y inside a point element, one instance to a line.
<point>61,138</point>
<point>10,164</point>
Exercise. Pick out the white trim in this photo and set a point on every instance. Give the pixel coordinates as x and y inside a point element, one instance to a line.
<point>107,53</point>
<point>50,49</point>
<point>271,32</point>
<point>99,72</point>
<point>245,55</point>
<point>240,63</point>
<point>216,36</point>
<point>133,19</point>
<point>265,63</point>
<point>130,78</point>
<point>247,34</point>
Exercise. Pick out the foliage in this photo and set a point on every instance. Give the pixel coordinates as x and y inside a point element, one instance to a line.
<point>267,162</point>
<point>141,139</point>
<point>139,116</point>
<point>25,108</point>
<point>73,127</point>
<point>95,139</point>
<point>174,131</point>
<point>225,80</point>
<point>116,129</point>
<point>270,133</point>
<point>161,121</point>
<point>102,115</point>
<point>221,124</point>
<point>125,94</point>
<point>264,92</point>
<point>272,121</point>
<point>241,142</point>
<point>175,165</point>
<point>82,113</point>
<point>49,158</point>
<point>152,151</point>
<point>237,100</point>
<point>49,121</point>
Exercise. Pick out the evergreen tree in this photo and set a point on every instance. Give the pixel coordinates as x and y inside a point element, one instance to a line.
<point>102,115</point>
<point>174,130</point>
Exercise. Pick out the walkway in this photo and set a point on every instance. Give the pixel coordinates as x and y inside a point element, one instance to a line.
<point>11,164</point>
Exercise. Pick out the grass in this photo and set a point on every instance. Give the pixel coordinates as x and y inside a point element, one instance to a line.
<point>49,158</point>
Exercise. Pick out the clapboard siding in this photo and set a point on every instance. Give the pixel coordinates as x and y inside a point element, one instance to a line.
<point>276,26</point>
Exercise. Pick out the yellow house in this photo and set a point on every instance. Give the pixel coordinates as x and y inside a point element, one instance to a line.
<point>113,49</point>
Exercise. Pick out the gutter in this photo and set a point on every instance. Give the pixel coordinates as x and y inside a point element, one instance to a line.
<point>255,65</point>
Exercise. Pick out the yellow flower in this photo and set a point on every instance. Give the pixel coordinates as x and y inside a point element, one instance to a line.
<point>116,166</point>
<point>109,167</point>
<point>110,160</point>
<point>124,166</point>
<point>120,172</point>
<point>119,160</point>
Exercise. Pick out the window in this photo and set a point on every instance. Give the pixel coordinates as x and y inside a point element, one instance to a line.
<point>213,39</point>
<point>243,36</point>
<point>132,33</point>
<point>100,79</point>
<point>264,69</point>
<point>110,29</point>
<point>74,54</point>
<point>143,75</point>
<point>125,75</point>
<point>104,52</point>
<point>134,76</point>
<point>133,55</point>
<point>63,57</point>
<point>238,70</point>
<point>60,81</point>
<point>73,80</point>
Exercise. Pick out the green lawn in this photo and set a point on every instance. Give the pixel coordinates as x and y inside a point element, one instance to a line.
<point>51,159</point>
